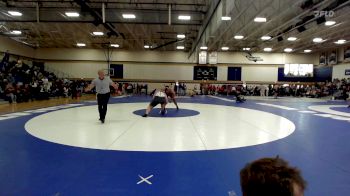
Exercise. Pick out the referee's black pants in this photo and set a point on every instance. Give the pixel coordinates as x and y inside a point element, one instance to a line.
<point>102,101</point>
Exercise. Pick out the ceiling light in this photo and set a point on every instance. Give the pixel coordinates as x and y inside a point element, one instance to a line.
<point>16,32</point>
<point>225,17</point>
<point>292,39</point>
<point>288,50</point>
<point>15,13</point>
<point>184,17</point>
<point>81,44</point>
<point>239,37</point>
<point>267,49</point>
<point>259,19</point>
<point>341,41</point>
<point>129,16</point>
<point>307,51</point>
<point>246,49</point>
<point>203,47</point>
<point>72,14</point>
<point>180,47</point>
<point>266,37</point>
<point>115,45</point>
<point>181,36</point>
<point>329,23</point>
<point>97,33</point>
<point>146,46</point>
<point>317,40</point>
<point>225,48</point>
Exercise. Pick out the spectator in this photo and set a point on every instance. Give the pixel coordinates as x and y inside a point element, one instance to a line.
<point>10,78</point>
<point>271,177</point>
<point>10,93</point>
<point>74,90</point>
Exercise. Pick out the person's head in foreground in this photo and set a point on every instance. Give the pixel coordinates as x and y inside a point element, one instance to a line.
<point>101,74</point>
<point>271,177</point>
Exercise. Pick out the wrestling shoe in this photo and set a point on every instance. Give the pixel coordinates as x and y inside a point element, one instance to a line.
<point>163,112</point>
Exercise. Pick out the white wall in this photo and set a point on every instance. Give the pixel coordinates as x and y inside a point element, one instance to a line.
<point>158,72</point>
<point>75,69</point>
<point>149,71</point>
<point>268,58</point>
<point>260,73</point>
<point>339,71</point>
<point>157,65</point>
<point>222,73</point>
<point>88,69</point>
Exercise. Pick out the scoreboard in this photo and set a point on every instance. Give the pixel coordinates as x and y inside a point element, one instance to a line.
<point>205,73</point>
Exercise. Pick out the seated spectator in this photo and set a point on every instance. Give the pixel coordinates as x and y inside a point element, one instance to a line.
<point>271,177</point>
<point>10,93</point>
<point>27,95</point>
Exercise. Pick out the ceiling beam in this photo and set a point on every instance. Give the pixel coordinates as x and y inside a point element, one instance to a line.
<point>98,18</point>
<point>251,21</point>
<point>229,24</point>
<point>297,18</point>
<point>109,2</point>
<point>209,16</point>
<point>326,33</point>
<point>91,21</point>
<point>110,9</point>
<point>318,30</point>
<point>167,43</point>
<point>131,32</point>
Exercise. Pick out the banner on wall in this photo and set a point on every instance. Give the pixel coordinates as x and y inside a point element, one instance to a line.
<point>323,58</point>
<point>202,57</point>
<point>332,58</point>
<point>213,58</point>
<point>347,54</point>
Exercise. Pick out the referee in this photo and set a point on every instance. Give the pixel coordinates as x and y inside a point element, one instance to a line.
<point>102,84</point>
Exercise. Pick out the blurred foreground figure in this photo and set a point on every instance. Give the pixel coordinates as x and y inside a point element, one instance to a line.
<point>271,177</point>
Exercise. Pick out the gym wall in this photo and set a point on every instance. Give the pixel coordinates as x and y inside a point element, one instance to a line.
<point>161,71</point>
<point>339,71</point>
<point>260,73</point>
<point>84,63</point>
<point>171,65</point>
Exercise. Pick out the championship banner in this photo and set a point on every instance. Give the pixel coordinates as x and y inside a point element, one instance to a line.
<point>323,58</point>
<point>332,58</point>
<point>347,54</point>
